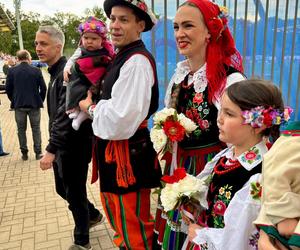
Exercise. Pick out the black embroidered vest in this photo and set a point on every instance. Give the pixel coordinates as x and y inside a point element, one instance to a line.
<point>142,154</point>
<point>197,107</point>
<point>112,75</point>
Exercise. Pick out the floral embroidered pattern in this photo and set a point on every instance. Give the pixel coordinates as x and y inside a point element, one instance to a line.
<point>197,110</point>
<point>255,190</point>
<point>253,240</point>
<point>220,205</point>
<point>251,156</point>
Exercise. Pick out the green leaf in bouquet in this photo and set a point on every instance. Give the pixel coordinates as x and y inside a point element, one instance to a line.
<point>208,180</point>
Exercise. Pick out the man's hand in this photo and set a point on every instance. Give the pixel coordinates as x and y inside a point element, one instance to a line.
<point>84,104</point>
<point>47,160</point>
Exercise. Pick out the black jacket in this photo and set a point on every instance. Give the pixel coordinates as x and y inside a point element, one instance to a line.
<point>25,86</point>
<point>63,137</point>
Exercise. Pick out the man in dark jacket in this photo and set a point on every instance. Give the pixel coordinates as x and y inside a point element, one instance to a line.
<point>68,150</point>
<point>26,89</point>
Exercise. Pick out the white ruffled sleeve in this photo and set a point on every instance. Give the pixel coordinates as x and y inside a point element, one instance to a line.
<point>119,117</point>
<point>239,231</point>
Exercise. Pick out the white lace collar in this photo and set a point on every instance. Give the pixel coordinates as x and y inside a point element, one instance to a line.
<point>199,77</point>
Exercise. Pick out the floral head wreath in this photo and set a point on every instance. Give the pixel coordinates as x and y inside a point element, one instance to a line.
<point>93,25</point>
<point>259,116</point>
<point>216,25</point>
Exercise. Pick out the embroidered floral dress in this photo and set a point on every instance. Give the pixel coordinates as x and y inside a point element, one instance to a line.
<point>188,94</point>
<point>233,201</point>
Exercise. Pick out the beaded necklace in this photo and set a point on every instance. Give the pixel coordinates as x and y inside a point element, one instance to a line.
<point>222,168</point>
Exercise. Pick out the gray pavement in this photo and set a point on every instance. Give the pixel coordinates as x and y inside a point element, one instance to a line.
<point>32,215</point>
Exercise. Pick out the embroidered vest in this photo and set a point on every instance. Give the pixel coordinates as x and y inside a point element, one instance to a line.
<point>112,75</point>
<point>221,190</point>
<point>197,107</point>
<point>142,154</point>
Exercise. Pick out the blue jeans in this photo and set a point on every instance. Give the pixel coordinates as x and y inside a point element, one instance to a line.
<point>21,120</point>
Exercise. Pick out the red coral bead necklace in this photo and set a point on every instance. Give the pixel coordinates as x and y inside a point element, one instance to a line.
<point>222,167</point>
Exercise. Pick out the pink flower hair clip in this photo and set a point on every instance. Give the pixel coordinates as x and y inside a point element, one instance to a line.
<point>259,116</point>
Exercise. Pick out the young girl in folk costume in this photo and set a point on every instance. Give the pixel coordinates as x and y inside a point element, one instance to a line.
<point>278,219</point>
<point>87,66</point>
<point>250,111</point>
<point>203,37</point>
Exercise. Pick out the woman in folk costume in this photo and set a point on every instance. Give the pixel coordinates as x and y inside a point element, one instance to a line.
<point>250,110</point>
<point>278,219</point>
<point>213,62</point>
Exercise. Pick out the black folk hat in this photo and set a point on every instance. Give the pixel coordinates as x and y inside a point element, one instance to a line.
<point>140,9</point>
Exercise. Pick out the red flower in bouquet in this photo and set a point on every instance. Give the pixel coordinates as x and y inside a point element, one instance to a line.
<point>183,190</point>
<point>179,173</point>
<point>174,130</point>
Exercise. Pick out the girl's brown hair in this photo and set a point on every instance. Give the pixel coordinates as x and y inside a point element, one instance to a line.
<point>252,93</point>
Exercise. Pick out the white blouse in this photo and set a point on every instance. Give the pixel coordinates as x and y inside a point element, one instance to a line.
<point>198,78</point>
<point>119,117</point>
<point>239,231</point>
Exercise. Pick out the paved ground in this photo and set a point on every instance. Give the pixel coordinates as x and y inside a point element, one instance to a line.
<point>32,215</point>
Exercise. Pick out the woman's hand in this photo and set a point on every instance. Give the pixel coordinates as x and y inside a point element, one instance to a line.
<point>192,231</point>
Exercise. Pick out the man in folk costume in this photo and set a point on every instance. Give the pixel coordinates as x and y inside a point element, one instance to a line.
<point>123,152</point>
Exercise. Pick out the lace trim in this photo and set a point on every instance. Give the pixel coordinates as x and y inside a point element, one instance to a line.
<point>199,77</point>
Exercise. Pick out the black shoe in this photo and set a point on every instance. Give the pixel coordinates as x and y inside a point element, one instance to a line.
<point>24,157</point>
<point>4,154</point>
<point>38,156</point>
<point>97,221</point>
<point>79,247</point>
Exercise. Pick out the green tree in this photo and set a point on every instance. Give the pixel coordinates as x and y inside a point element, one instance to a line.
<point>96,11</point>
<point>30,22</point>
<point>7,38</point>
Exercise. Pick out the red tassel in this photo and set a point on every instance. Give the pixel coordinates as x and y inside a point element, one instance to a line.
<point>94,164</point>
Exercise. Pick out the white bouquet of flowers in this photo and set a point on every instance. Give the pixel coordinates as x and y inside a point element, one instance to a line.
<point>169,127</point>
<point>184,191</point>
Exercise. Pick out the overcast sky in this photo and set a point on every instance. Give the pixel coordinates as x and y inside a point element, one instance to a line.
<point>49,7</point>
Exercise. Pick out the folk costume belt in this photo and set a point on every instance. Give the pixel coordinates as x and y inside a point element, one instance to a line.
<point>118,152</point>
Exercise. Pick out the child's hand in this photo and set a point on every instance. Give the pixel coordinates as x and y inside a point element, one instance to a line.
<point>264,242</point>
<point>192,231</point>
<point>84,104</point>
<point>287,227</point>
<point>67,72</point>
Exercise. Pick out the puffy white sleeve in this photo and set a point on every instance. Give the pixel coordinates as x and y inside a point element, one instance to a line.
<point>231,79</point>
<point>72,59</point>
<point>119,117</point>
<point>239,231</point>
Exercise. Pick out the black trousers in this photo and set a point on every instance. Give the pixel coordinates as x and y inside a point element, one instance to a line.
<point>70,172</point>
